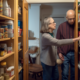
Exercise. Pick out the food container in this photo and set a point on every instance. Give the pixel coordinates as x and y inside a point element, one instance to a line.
<point>10,71</point>
<point>9,49</point>
<point>19,45</point>
<point>2,53</point>
<point>10,31</point>
<point>6,76</point>
<point>3,67</point>
<point>1,33</point>
<point>1,6</point>
<point>20,32</point>
<point>5,30</point>
<point>1,77</point>
<point>4,46</point>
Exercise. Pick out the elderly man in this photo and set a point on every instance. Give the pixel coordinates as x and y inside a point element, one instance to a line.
<point>66,53</point>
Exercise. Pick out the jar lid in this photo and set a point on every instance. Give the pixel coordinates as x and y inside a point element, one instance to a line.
<point>3,63</point>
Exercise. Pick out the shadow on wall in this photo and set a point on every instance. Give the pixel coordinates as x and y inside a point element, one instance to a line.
<point>48,8</point>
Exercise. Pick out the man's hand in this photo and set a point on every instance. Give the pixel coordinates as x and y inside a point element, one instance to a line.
<point>61,56</point>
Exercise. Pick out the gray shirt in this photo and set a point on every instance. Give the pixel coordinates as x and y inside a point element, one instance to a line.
<point>48,53</point>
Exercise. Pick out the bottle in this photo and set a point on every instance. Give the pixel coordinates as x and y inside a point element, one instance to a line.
<point>9,11</point>
<point>5,8</point>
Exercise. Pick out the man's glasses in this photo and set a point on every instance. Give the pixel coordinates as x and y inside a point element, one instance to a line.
<point>71,19</point>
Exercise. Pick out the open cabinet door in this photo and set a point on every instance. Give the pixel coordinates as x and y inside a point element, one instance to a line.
<point>25,40</point>
<point>76,43</point>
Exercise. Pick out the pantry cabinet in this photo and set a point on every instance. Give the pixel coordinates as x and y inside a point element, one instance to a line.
<point>18,44</point>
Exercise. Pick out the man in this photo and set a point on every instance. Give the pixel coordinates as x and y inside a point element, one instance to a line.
<point>66,53</point>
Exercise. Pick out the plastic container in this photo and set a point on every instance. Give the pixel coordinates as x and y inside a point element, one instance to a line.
<point>4,46</point>
<point>10,31</point>
<point>1,77</point>
<point>3,67</point>
<point>1,7</point>
<point>9,11</point>
<point>20,32</point>
<point>1,33</point>
<point>9,49</point>
<point>2,53</point>
<point>19,45</point>
<point>10,71</point>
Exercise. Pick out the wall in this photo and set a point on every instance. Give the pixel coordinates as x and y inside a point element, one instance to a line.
<point>34,17</point>
<point>48,1</point>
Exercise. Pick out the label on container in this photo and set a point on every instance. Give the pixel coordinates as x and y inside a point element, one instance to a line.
<point>6,11</point>
<point>10,30</point>
<point>12,73</point>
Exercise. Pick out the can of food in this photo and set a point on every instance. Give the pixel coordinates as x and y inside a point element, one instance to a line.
<point>1,33</point>
<point>2,53</point>
<point>5,30</point>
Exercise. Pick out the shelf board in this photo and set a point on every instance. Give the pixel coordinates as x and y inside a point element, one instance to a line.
<point>2,17</point>
<point>6,56</point>
<point>20,50</point>
<point>19,13</point>
<point>19,36</point>
<point>11,78</point>
<point>20,69</point>
<point>4,39</point>
<point>33,38</point>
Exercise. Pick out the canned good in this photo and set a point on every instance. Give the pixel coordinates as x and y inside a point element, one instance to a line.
<point>1,33</point>
<point>5,30</point>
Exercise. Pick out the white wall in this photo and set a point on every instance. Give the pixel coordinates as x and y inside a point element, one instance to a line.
<point>48,1</point>
<point>34,17</point>
<point>34,20</point>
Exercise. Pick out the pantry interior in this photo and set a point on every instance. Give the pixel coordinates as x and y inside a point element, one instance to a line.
<point>14,37</point>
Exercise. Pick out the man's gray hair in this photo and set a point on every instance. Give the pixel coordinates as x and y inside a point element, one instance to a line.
<point>45,25</point>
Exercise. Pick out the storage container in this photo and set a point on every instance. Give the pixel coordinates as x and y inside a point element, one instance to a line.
<point>9,49</point>
<point>19,45</point>
<point>10,71</point>
<point>1,33</point>
<point>2,53</point>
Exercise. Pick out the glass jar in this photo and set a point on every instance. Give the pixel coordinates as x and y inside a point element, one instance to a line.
<point>2,53</point>
<point>3,67</point>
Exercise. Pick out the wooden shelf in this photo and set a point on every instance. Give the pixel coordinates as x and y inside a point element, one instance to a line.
<point>2,17</point>
<point>6,56</point>
<point>20,50</point>
<point>19,13</point>
<point>33,38</point>
<point>12,77</point>
<point>19,36</point>
<point>4,39</point>
<point>20,69</point>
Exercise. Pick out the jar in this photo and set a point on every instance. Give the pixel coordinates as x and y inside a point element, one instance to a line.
<point>5,30</point>
<point>4,46</point>
<point>2,53</point>
<point>79,16</point>
<point>1,5</point>
<point>3,67</point>
<point>1,33</point>
<point>10,31</point>
<point>6,76</point>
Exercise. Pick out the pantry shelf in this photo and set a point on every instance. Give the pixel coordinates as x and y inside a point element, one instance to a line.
<point>12,77</point>
<point>33,38</point>
<point>6,56</point>
<point>19,13</point>
<point>4,39</point>
<point>20,50</point>
<point>19,36</point>
<point>2,17</point>
<point>20,69</point>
